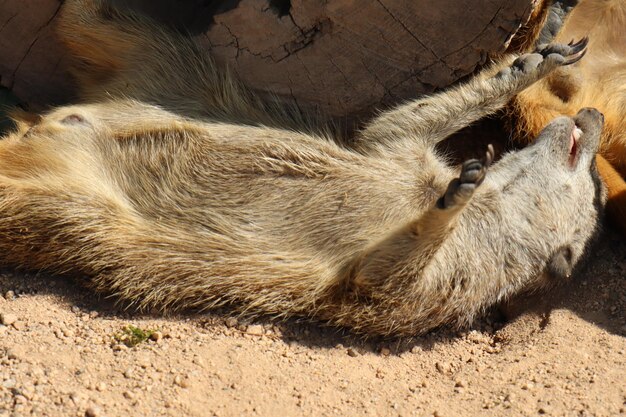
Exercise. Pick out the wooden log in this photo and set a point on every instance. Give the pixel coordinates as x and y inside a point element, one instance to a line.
<point>343,57</point>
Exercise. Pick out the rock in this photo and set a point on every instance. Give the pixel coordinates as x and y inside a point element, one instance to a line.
<point>443,367</point>
<point>19,325</point>
<point>93,412</point>
<point>9,295</point>
<point>7,318</point>
<point>12,355</point>
<point>461,383</point>
<point>353,353</point>
<point>182,382</point>
<point>255,330</point>
<point>9,383</point>
<point>385,351</point>
<point>231,322</point>
<point>156,336</point>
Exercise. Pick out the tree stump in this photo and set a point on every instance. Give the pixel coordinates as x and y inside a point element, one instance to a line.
<point>342,57</point>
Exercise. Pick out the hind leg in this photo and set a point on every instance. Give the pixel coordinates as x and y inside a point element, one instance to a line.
<point>119,53</point>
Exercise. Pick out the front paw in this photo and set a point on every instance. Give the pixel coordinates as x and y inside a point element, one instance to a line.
<point>550,57</point>
<point>460,190</point>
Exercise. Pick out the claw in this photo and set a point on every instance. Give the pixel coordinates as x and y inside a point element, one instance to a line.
<point>488,156</point>
<point>575,59</point>
<point>580,45</point>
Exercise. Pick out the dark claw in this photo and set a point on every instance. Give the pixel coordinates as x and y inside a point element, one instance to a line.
<point>575,59</point>
<point>579,46</point>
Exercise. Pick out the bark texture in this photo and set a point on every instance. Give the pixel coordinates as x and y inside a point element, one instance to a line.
<point>343,57</point>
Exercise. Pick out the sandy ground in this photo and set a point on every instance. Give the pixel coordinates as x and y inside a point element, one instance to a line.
<point>61,354</point>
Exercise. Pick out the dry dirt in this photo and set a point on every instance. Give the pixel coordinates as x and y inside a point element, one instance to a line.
<point>60,355</point>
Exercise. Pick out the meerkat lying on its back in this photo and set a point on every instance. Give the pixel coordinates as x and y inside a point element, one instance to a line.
<point>175,189</point>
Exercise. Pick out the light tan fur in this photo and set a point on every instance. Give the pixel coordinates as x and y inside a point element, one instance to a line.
<point>173,187</point>
<point>598,81</point>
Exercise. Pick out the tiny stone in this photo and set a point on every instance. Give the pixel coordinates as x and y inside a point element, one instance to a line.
<point>9,295</point>
<point>9,384</point>
<point>156,336</point>
<point>128,373</point>
<point>19,325</point>
<point>93,412</point>
<point>460,383</point>
<point>7,319</point>
<point>255,329</point>
<point>385,351</point>
<point>353,353</point>
<point>101,386</point>
<point>12,355</point>
<point>20,399</point>
<point>129,395</point>
<point>231,322</point>
<point>442,367</point>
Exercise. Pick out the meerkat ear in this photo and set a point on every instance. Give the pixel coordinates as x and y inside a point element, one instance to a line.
<point>560,263</point>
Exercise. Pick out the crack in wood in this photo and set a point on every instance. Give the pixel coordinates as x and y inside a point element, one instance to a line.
<point>32,44</point>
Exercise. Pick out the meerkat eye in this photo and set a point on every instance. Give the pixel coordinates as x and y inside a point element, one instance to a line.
<point>73,119</point>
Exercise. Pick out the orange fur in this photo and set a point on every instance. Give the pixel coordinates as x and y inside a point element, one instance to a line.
<point>598,80</point>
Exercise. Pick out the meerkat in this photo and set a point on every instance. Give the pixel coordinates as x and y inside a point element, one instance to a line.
<point>171,186</point>
<point>598,81</point>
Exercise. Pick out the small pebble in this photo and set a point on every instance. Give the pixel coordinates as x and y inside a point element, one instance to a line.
<point>353,353</point>
<point>7,319</point>
<point>156,336</point>
<point>19,325</point>
<point>9,383</point>
<point>442,367</point>
<point>460,383</point>
<point>9,295</point>
<point>231,322</point>
<point>93,412</point>
<point>385,351</point>
<point>255,329</point>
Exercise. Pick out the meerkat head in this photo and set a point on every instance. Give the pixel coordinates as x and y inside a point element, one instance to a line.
<point>553,195</point>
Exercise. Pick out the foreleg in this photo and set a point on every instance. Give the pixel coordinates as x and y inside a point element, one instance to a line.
<point>408,251</point>
<point>432,119</point>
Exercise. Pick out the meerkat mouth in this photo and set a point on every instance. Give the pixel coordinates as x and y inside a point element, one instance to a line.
<point>573,144</point>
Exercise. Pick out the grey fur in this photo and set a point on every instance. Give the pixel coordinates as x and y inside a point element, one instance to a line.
<point>191,203</point>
